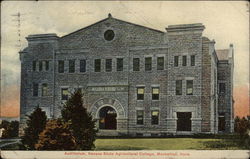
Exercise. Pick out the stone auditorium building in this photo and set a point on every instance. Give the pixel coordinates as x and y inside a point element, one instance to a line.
<point>136,80</point>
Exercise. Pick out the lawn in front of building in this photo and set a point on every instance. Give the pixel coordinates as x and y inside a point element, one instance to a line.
<point>168,144</point>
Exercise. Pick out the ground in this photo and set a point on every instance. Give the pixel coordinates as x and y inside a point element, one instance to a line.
<point>162,144</point>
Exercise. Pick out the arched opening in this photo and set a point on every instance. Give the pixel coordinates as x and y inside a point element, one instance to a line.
<point>107,117</point>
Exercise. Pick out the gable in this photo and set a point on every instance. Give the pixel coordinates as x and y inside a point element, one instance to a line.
<point>124,34</point>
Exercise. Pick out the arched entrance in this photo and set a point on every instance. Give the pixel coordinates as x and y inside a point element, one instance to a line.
<point>107,118</point>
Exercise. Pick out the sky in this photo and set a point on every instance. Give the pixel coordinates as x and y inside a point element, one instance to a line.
<point>225,21</point>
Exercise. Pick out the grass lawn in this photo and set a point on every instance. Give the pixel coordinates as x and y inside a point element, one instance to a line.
<point>168,144</point>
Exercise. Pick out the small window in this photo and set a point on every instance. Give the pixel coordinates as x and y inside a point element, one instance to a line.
<point>65,94</point>
<point>34,65</point>
<point>184,60</point>
<point>178,87</point>
<point>160,63</point>
<point>193,60</point>
<point>35,89</point>
<point>155,117</point>
<point>176,61</point>
<point>44,89</point>
<point>108,66</point>
<point>119,64</point>
<point>47,65</point>
<point>148,63</point>
<point>155,93</point>
<point>139,117</point>
<point>140,93</point>
<point>71,66</point>
<point>136,64</point>
<point>97,65</point>
<point>189,87</point>
<point>61,66</point>
<point>82,65</point>
<point>40,65</point>
<point>222,88</point>
<point>109,35</point>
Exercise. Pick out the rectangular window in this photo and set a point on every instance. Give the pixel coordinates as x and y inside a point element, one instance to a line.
<point>222,88</point>
<point>140,93</point>
<point>193,60</point>
<point>34,65</point>
<point>97,65</point>
<point>148,63</point>
<point>44,89</point>
<point>40,65</point>
<point>108,65</point>
<point>119,64</point>
<point>155,93</point>
<point>139,117</point>
<point>160,63</point>
<point>35,89</point>
<point>178,87</point>
<point>136,64</point>
<point>155,117</point>
<point>176,61</point>
<point>65,94</point>
<point>60,66</point>
<point>47,65</point>
<point>184,60</point>
<point>189,87</point>
<point>71,66</point>
<point>82,65</point>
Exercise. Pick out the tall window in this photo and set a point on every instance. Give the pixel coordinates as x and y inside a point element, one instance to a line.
<point>35,89</point>
<point>176,61</point>
<point>184,60</point>
<point>82,65</point>
<point>34,65</point>
<point>97,65</point>
<point>44,89</point>
<point>40,65</point>
<point>71,66</point>
<point>119,64</point>
<point>155,117</point>
<point>139,117</point>
<point>140,93</point>
<point>192,60</point>
<point>136,64</point>
<point>46,65</point>
<point>189,87</point>
<point>178,87</point>
<point>155,93</point>
<point>222,88</point>
<point>148,63</point>
<point>61,66</point>
<point>65,94</point>
<point>108,65</point>
<point>160,63</point>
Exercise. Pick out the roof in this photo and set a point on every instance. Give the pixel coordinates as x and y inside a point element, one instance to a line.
<point>110,17</point>
<point>222,54</point>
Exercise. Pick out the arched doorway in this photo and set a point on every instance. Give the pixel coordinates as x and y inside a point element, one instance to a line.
<point>107,118</point>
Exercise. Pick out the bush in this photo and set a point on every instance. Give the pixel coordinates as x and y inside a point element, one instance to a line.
<point>81,122</point>
<point>241,126</point>
<point>10,129</point>
<point>35,125</point>
<point>56,136</point>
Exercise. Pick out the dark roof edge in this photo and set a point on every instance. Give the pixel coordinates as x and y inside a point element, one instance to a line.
<point>115,19</point>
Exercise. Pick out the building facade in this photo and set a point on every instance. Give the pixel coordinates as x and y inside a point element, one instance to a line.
<point>136,80</point>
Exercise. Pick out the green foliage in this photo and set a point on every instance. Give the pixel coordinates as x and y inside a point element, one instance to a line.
<point>241,126</point>
<point>81,122</point>
<point>10,129</point>
<point>35,125</point>
<point>56,136</point>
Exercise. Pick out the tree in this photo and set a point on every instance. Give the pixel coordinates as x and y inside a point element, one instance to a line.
<point>10,129</point>
<point>81,122</point>
<point>56,136</point>
<point>35,125</point>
